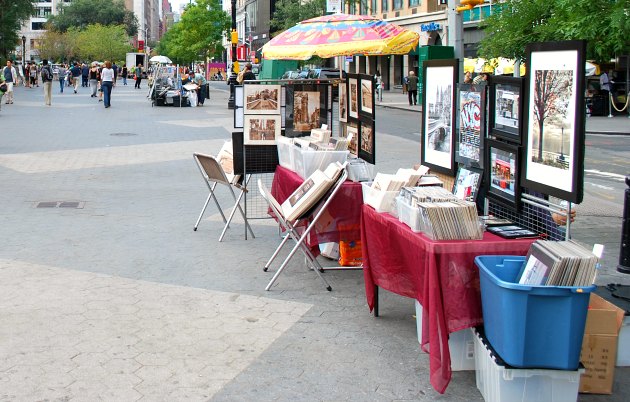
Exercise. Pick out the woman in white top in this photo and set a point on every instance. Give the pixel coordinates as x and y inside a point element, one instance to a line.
<point>107,83</point>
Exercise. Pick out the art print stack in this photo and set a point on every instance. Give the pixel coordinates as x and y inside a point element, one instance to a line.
<point>563,263</point>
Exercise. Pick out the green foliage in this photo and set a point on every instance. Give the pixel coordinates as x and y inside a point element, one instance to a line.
<point>13,13</point>
<point>99,42</point>
<point>289,12</point>
<point>81,13</point>
<point>199,32</point>
<point>58,46</point>
<point>605,24</point>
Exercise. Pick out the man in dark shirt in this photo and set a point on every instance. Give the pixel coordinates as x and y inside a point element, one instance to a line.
<point>85,72</point>
<point>76,74</point>
<point>248,74</point>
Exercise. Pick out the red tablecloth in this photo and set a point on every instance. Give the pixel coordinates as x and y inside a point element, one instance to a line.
<point>342,217</point>
<point>441,275</point>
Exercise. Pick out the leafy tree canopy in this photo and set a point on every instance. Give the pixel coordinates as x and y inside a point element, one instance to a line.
<point>81,13</point>
<point>289,12</point>
<point>199,33</point>
<point>13,13</point>
<point>605,24</point>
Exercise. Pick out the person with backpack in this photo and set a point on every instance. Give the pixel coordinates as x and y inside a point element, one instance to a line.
<point>47,79</point>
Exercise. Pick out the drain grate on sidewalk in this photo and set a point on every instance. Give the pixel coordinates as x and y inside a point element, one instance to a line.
<point>60,204</point>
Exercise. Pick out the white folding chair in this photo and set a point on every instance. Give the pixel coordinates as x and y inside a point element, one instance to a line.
<point>293,229</point>
<point>214,174</point>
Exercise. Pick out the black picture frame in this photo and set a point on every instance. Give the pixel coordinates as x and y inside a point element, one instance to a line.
<point>366,96</point>
<point>555,89</point>
<point>502,173</point>
<point>291,127</point>
<point>471,124</point>
<point>437,150</point>
<point>461,182</point>
<point>354,99</point>
<point>367,140</point>
<point>505,115</point>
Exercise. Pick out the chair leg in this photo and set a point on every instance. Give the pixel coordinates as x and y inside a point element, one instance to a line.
<point>275,253</point>
<point>214,185</point>
<point>202,211</point>
<point>238,204</point>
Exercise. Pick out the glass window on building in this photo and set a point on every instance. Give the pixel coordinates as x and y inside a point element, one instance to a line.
<point>363,8</point>
<point>414,3</point>
<point>373,6</point>
<point>353,8</point>
<point>37,26</point>
<point>384,6</point>
<point>398,4</point>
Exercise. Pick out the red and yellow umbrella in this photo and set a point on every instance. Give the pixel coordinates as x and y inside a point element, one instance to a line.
<point>340,35</point>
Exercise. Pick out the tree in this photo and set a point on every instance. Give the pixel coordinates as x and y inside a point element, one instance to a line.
<point>198,34</point>
<point>605,24</point>
<point>81,13</point>
<point>289,12</point>
<point>99,42</point>
<point>13,13</point>
<point>58,46</point>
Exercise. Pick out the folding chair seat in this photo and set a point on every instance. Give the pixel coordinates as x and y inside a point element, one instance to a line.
<point>214,174</point>
<point>293,228</point>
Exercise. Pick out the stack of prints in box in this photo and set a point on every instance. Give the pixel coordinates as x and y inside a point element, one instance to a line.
<point>562,263</point>
<point>443,216</point>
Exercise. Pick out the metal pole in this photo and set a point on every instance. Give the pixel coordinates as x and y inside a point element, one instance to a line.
<point>456,33</point>
<point>232,81</point>
<point>624,252</point>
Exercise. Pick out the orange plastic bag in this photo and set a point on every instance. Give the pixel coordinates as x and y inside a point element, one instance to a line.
<point>350,253</point>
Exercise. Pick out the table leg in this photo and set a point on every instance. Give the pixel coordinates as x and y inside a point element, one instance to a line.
<point>375,301</point>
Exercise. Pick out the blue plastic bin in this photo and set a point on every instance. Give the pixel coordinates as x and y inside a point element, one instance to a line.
<point>531,326</point>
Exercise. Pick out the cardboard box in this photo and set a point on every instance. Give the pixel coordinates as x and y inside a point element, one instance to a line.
<point>599,347</point>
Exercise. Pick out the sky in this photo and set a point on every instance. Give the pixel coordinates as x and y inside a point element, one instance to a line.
<point>175,4</point>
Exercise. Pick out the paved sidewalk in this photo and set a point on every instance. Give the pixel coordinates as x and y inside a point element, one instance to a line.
<point>616,125</point>
<point>119,299</point>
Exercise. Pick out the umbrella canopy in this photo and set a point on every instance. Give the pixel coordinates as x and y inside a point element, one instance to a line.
<point>340,35</point>
<point>160,59</point>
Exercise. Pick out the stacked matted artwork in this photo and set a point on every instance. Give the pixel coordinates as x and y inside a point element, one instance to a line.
<point>356,109</point>
<point>262,121</point>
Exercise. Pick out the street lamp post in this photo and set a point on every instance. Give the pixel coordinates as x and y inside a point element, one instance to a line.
<point>234,69</point>
<point>23,51</point>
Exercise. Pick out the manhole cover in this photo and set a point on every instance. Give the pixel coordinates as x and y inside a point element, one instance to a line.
<point>69,204</point>
<point>60,204</point>
<point>47,204</point>
<point>123,134</point>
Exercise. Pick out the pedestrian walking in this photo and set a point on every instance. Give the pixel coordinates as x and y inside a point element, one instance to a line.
<point>85,73</point>
<point>412,88</point>
<point>201,82</point>
<point>10,78</point>
<point>32,73</point>
<point>3,88</point>
<point>124,73</point>
<point>47,78</point>
<point>25,74</point>
<point>379,86</point>
<point>61,76</point>
<point>107,83</point>
<point>94,76</point>
<point>138,76</point>
<point>76,76</point>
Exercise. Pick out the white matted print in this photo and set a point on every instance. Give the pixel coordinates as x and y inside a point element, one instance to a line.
<point>551,112</point>
<point>262,99</point>
<point>261,129</point>
<point>353,85</point>
<point>367,99</point>
<point>343,103</point>
<point>352,130</point>
<point>439,121</point>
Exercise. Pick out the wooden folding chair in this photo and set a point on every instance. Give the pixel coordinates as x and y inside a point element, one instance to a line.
<point>214,174</point>
<point>309,219</point>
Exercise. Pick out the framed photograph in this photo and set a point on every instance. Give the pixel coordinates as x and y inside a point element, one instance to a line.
<point>367,95</point>
<point>367,140</point>
<point>471,111</point>
<point>261,129</point>
<point>554,119</point>
<point>352,131</point>
<point>438,117</point>
<point>343,102</point>
<point>467,183</point>
<point>506,108</point>
<point>502,173</point>
<point>353,97</point>
<point>306,108</point>
<point>262,99</point>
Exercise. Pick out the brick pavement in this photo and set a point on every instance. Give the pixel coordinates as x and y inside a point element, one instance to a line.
<point>121,300</point>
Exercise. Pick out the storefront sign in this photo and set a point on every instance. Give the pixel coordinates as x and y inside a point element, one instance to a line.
<point>430,27</point>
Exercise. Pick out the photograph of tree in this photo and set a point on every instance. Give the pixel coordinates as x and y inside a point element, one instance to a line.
<point>551,131</point>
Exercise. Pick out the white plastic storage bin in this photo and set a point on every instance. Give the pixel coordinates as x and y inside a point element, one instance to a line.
<point>381,201</point>
<point>499,383</point>
<point>461,345</point>
<point>307,161</point>
<point>285,155</point>
<point>408,215</point>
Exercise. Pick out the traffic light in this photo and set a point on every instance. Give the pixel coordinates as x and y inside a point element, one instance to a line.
<point>468,5</point>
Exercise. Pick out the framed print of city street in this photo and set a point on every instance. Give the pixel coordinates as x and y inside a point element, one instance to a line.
<point>353,96</point>
<point>305,108</point>
<point>554,117</point>
<point>343,102</point>
<point>438,117</point>
<point>262,99</point>
<point>506,108</point>
<point>367,142</point>
<point>366,89</point>
<point>502,173</point>
<point>352,130</point>
<point>471,107</point>
<point>261,129</point>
